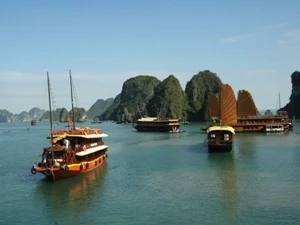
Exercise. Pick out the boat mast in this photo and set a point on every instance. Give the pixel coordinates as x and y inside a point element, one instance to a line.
<point>279,101</point>
<point>73,113</point>
<point>50,111</point>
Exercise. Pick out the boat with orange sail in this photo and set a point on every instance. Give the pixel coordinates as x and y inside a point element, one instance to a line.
<point>242,114</point>
<point>220,136</point>
<point>72,151</point>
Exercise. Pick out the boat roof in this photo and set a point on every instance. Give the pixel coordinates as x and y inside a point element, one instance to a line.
<point>58,138</point>
<point>85,132</point>
<point>156,119</point>
<point>223,128</point>
<point>91,150</point>
<point>87,135</point>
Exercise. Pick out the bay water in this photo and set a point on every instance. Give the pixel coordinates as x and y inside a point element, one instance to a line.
<point>154,178</point>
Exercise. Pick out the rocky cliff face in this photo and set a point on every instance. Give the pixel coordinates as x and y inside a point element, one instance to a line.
<point>5,116</point>
<point>99,107</point>
<point>110,113</point>
<point>62,115</point>
<point>197,91</point>
<point>135,92</point>
<point>293,107</point>
<point>165,99</point>
<point>36,113</point>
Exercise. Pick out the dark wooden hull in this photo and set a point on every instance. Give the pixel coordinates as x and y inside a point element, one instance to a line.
<point>155,128</point>
<point>220,146</point>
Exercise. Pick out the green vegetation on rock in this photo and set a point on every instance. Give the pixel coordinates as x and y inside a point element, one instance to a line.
<point>110,112</point>
<point>164,99</point>
<point>99,107</point>
<point>136,91</point>
<point>168,100</point>
<point>198,90</point>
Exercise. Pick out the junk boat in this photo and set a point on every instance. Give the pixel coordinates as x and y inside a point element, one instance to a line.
<point>155,124</point>
<point>242,114</point>
<point>73,151</point>
<point>220,138</point>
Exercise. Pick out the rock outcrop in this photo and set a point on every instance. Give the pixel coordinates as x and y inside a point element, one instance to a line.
<point>293,107</point>
<point>135,92</point>
<point>34,113</point>
<point>62,115</point>
<point>168,100</point>
<point>99,107</point>
<point>198,90</point>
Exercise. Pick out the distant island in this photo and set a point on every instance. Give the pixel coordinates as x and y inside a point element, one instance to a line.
<point>59,114</point>
<point>154,98</point>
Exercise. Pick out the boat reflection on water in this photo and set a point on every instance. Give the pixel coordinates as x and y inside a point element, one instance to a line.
<point>72,194</point>
<point>224,165</point>
<point>90,184</point>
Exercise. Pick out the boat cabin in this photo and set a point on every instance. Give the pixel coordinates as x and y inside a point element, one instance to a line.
<point>74,148</point>
<point>220,138</point>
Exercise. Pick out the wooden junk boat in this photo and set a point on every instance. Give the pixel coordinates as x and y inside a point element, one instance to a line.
<point>242,114</point>
<point>155,124</point>
<point>220,138</point>
<point>73,151</point>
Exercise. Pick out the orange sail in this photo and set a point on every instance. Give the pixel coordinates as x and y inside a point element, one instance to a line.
<point>214,109</point>
<point>228,113</point>
<point>245,104</point>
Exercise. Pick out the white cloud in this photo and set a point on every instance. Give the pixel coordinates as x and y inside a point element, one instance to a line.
<point>238,38</point>
<point>260,31</point>
<point>290,38</point>
<point>273,26</point>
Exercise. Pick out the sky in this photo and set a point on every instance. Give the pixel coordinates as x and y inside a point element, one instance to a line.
<point>252,45</point>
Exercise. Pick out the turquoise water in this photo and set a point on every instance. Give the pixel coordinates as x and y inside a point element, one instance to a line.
<point>155,178</point>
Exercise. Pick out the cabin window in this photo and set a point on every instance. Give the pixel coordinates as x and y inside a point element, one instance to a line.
<point>78,158</point>
<point>226,137</point>
<point>212,135</point>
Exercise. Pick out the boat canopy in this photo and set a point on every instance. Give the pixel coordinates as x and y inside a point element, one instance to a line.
<point>152,119</point>
<point>91,150</point>
<point>58,138</point>
<point>88,135</point>
<point>148,119</point>
<point>221,128</point>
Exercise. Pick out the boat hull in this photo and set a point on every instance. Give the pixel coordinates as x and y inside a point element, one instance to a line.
<point>220,146</point>
<point>69,170</point>
<point>156,128</point>
<point>261,128</point>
